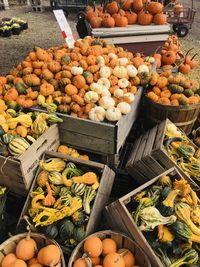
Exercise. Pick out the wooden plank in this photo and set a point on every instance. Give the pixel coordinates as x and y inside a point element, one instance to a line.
<point>134,151</point>
<point>150,142</point>
<point>141,149</point>
<point>160,135</point>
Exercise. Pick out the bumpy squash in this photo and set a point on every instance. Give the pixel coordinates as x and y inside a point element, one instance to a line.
<point>18,146</point>
<point>174,88</point>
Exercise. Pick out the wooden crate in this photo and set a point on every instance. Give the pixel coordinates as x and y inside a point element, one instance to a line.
<point>17,173</point>
<point>106,181</point>
<point>9,246</point>
<point>119,217</point>
<point>149,157</point>
<point>122,242</point>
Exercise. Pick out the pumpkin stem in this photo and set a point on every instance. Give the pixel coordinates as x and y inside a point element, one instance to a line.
<point>156,50</point>
<point>28,237</point>
<point>123,253</point>
<point>189,51</point>
<point>87,260</point>
<point>194,56</point>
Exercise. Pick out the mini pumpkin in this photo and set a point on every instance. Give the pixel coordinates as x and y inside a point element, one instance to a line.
<point>97,114</point>
<point>91,97</point>
<point>113,114</point>
<point>46,89</point>
<point>106,102</point>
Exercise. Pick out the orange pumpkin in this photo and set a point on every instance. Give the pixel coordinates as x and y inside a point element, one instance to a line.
<point>121,21</point>
<point>79,81</point>
<point>113,260</point>
<point>91,60</point>
<point>160,19</point>
<point>46,89</point>
<point>108,22</point>
<point>154,7</point>
<point>126,4</point>
<point>184,68</point>
<point>93,246</point>
<point>131,16</point>
<point>70,90</point>
<point>11,94</point>
<point>168,58</point>
<point>112,7</point>
<point>192,62</point>
<point>137,5</point>
<point>54,66</point>
<point>145,18</point>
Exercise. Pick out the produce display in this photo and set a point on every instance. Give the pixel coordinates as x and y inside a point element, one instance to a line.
<point>173,89</point>
<point>125,12</point>
<point>180,150</point>
<point>18,130</point>
<point>9,26</point>
<point>196,137</point>
<point>105,253</point>
<point>168,214</point>
<point>62,201</point>
<point>95,80</point>
<point>66,150</point>
<point>29,254</point>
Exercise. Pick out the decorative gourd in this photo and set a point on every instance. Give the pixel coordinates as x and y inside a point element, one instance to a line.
<point>93,246</point>
<point>124,107</point>
<point>128,257</point>
<point>52,164</point>
<point>79,81</point>
<point>8,260</point>
<point>21,131</point>
<point>18,146</point>
<point>55,178</point>
<point>26,248</point>
<point>100,61</point>
<point>79,234</point>
<point>66,229</point>
<point>81,262</point>
<point>97,114</point>
<point>129,97</point>
<point>31,80</point>
<point>76,70</point>
<point>49,255</point>
<point>131,71</point>
<point>51,231</point>
<point>104,82</point>
<point>106,102</point>
<point>118,93</point>
<point>120,72</point>
<point>113,260</point>
<point>123,61</point>
<point>109,246</point>
<point>96,87</point>
<point>79,218</point>
<point>168,58</point>
<point>11,94</point>
<point>42,178</point>
<point>78,189</point>
<point>91,97</point>
<point>46,89</point>
<point>113,114</point>
<point>123,83</point>
<point>19,263</point>
<point>7,138</point>
<point>175,88</point>
<point>105,72</point>
<point>143,68</point>
<point>71,90</point>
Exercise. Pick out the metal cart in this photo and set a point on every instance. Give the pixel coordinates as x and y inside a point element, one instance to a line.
<point>68,5</point>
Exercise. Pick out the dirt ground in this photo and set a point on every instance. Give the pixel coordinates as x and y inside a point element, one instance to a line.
<point>44,32</point>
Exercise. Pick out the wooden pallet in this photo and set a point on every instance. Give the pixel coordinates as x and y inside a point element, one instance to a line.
<point>119,217</point>
<point>17,173</point>
<point>149,157</point>
<point>106,176</point>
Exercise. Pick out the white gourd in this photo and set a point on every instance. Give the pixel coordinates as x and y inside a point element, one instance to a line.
<point>104,82</point>
<point>105,91</point>
<point>100,61</point>
<point>120,72</point>
<point>113,114</point>
<point>118,93</point>
<point>143,68</point>
<point>91,97</point>
<point>123,83</point>
<point>97,114</point>
<point>124,107</point>
<point>131,71</point>
<point>96,87</point>
<point>112,55</point>
<point>105,72</point>
<point>76,70</point>
<point>123,61</point>
<point>106,102</point>
<point>129,97</point>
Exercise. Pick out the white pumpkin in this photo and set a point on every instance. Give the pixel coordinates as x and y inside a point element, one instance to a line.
<point>143,68</point>
<point>131,71</point>
<point>96,87</point>
<point>106,102</point>
<point>123,83</point>
<point>113,114</point>
<point>150,59</point>
<point>118,93</point>
<point>105,91</point>
<point>76,70</point>
<point>120,72</point>
<point>104,82</point>
<point>129,97</point>
<point>123,61</point>
<point>124,107</point>
<point>91,97</point>
<point>105,72</point>
<point>97,114</point>
<point>112,55</point>
<point>100,61</point>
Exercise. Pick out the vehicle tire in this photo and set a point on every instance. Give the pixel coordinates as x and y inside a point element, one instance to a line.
<point>175,27</point>
<point>182,31</point>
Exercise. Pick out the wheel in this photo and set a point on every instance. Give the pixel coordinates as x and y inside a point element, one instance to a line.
<point>175,28</point>
<point>182,31</point>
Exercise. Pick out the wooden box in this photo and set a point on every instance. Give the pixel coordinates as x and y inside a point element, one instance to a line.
<point>99,137</point>
<point>17,173</point>
<point>106,176</point>
<point>125,222</point>
<point>149,157</point>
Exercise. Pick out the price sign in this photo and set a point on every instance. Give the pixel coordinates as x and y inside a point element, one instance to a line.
<point>65,28</point>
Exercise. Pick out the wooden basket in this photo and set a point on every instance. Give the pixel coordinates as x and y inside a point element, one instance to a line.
<point>182,116</point>
<point>122,242</point>
<point>9,245</point>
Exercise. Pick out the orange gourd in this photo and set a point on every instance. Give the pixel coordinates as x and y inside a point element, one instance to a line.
<point>19,263</point>
<point>126,4</point>
<point>36,265</point>
<point>109,246</point>
<point>49,255</point>
<point>11,94</point>
<point>80,263</point>
<point>128,257</point>
<point>3,80</point>
<point>162,82</point>
<point>108,22</point>
<point>184,68</point>
<point>21,131</point>
<point>152,96</point>
<point>96,22</point>
<point>46,89</point>
<point>32,261</point>
<point>112,7</point>
<point>26,248</point>
<point>95,261</point>
<point>131,16</point>
<point>156,90</point>
<point>121,21</point>
<point>54,66</point>
<point>93,246</point>
<point>192,100</point>
<point>70,90</point>
<point>113,260</point>
<point>192,62</point>
<point>79,81</point>
<point>137,5</point>
<point>160,19</point>
<point>47,74</point>
<point>165,93</point>
<point>145,18</point>
<point>8,260</point>
<point>164,101</point>
<point>91,60</point>
<point>168,58</point>
<point>174,102</point>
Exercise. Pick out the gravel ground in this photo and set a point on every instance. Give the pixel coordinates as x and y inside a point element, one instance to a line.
<point>44,32</point>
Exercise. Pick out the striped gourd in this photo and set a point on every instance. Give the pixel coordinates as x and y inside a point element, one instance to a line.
<point>7,138</point>
<point>55,178</point>
<point>18,146</point>
<point>78,189</point>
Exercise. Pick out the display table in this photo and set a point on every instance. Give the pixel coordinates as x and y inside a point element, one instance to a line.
<point>136,37</point>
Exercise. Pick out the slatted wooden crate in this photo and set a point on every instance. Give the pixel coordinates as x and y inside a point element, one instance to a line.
<point>149,157</point>
<point>106,176</point>
<point>119,217</point>
<point>17,173</point>
<point>121,240</point>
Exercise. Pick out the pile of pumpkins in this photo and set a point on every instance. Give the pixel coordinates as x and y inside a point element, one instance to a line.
<point>104,253</point>
<point>126,12</point>
<point>175,90</point>
<point>95,80</point>
<point>26,254</point>
<point>171,56</point>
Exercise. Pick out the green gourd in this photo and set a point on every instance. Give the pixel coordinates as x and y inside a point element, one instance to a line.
<point>188,92</point>
<point>79,218</point>
<point>21,88</point>
<point>78,189</point>
<point>79,234</point>
<point>66,229</point>
<point>183,100</point>
<point>176,89</point>
<point>51,231</point>
<point>7,138</point>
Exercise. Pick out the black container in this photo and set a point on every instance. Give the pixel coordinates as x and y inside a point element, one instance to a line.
<point>25,25</point>
<point>16,31</point>
<point>7,33</point>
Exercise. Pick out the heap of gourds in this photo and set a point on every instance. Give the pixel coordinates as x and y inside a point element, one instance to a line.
<point>182,151</point>
<point>168,214</point>
<point>62,201</point>
<point>94,80</point>
<point>173,89</point>
<point>125,12</point>
<point>18,130</point>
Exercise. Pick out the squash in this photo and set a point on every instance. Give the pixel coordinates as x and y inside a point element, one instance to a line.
<point>51,231</point>
<point>109,246</point>
<point>26,248</point>
<point>106,102</point>
<point>81,262</point>
<point>8,260</point>
<point>113,260</point>
<point>128,257</point>
<point>49,255</point>
<point>42,178</point>
<point>175,88</point>
<point>79,234</point>
<point>19,263</point>
<point>66,229</point>
<point>93,246</point>
<point>113,114</point>
<point>78,189</point>
<point>166,207</point>
<point>18,146</point>
<point>55,177</point>
<point>124,107</point>
<point>79,218</point>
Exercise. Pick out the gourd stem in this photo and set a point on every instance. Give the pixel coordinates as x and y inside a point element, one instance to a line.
<point>28,237</point>
<point>189,51</point>
<point>194,56</point>
<point>195,238</point>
